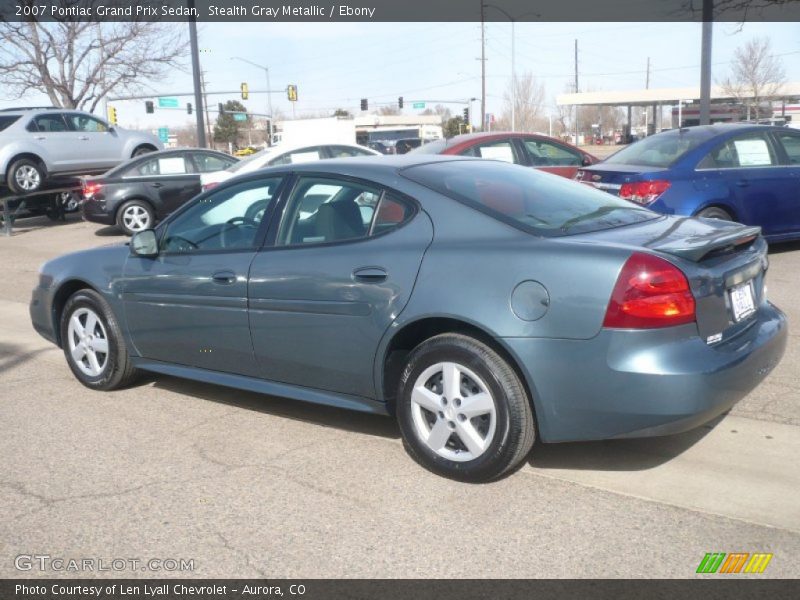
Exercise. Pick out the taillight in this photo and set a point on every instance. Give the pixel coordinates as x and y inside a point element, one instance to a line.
<point>650,292</point>
<point>210,186</point>
<point>90,189</point>
<point>643,192</point>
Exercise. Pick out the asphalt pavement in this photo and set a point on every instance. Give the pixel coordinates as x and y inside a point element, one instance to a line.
<point>245,485</point>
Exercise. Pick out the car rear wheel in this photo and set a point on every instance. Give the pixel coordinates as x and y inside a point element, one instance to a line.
<point>134,216</point>
<point>93,343</point>
<point>142,150</point>
<point>715,212</point>
<point>462,409</point>
<point>25,176</point>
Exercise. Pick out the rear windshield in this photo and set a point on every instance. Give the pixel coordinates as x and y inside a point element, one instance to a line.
<point>6,120</point>
<point>528,199</point>
<point>660,150</point>
<point>434,147</point>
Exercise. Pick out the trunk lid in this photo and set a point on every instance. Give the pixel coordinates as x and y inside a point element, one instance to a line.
<point>724,262</point>
<point>610,178</point>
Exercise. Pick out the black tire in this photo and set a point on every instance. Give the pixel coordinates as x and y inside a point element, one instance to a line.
<point>139,205</point>
<point>715,212</point>
<point>25,165</point>
<point>117,370</point>
<point>141,150</point>
<point>514,430</point>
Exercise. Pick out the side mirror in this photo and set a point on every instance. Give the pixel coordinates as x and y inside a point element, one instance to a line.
<point>144,244</point>
<point>586,162</point>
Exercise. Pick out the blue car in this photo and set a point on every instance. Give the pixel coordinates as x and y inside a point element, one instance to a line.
<point>734,172</point>
<point>481,304</point>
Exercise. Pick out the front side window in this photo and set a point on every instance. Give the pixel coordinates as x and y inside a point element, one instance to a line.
<point>748,150</point>
<point>547,154</point>
<point>324,210</point>
<point>499,150</point>
<point>85,123</point>
<point>791,144</point>
<point>528,199</point>
<point>224,220</point>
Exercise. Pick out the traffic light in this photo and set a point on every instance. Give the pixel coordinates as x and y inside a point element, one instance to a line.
<point>112,115</point>
<point>400,103</point>
<point>221,108</point>
<point>466,116</point>
<point>148,107</point>
<point>291,93</point>
<point>188,108</point>
<point>245,92</point>
<point>364,105</point>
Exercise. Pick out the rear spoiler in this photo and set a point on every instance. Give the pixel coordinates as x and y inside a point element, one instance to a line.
<point>698,247</point>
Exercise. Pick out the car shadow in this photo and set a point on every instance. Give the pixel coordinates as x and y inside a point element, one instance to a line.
<point>781,247</point>
<point>315,414</point>
<point>639,454</point>
<point>11,356</point>
<point>109,231</point>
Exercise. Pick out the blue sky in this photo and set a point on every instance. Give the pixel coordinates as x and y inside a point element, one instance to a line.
<point>336,64</point>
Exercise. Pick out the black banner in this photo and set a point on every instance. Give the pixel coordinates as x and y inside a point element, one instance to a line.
<point>398,10</point>
<point>712,588</point>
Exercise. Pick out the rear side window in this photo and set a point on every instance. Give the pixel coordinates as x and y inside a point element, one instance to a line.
<point>164,165</point>
<point>660,150</point>
<point>749,150</point>
<point>297,157</point>
<point>530,200</point>
<point>6,121</point>
<point>789,141</point>
<point>52,123</point>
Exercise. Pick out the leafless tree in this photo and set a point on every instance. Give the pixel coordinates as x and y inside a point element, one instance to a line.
<point>756,74</point>
<point>528,99</point>
<point>77,64</point>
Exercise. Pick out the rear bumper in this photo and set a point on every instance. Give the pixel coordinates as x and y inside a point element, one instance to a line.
<point>645,383</point>
<point>97,212</point>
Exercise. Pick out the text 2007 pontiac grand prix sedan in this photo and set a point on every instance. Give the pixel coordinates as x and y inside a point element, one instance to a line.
<point>480,303</point>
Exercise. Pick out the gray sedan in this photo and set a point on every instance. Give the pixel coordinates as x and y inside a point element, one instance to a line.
<point>481,304</point>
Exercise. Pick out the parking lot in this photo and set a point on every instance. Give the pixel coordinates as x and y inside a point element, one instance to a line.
<point>254,486</point>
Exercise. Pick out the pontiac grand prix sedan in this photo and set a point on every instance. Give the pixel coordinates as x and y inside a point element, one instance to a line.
<point>479,303</point>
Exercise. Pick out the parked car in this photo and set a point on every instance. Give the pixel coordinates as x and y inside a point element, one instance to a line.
<point>479,303</point>
<point>139,193</point>
<point>39,143</point>
<point>527,149</point>
<point>283,155</point>
<point>734,172</point>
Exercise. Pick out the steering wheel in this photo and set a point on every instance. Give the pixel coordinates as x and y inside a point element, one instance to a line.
<point>232,225</point>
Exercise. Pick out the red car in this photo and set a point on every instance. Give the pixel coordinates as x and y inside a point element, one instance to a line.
<point>528,149</point>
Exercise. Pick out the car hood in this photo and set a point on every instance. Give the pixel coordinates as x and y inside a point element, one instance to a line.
<point>685,237</point>
<point>102,262</point>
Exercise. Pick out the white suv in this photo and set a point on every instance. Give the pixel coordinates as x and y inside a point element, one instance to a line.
<point>38,143</point>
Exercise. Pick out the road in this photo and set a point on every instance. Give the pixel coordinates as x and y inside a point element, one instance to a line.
<point>255,486</point>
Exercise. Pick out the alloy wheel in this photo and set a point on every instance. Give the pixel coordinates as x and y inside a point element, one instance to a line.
<point>136,218</point>
<point>27,177</point>
<point>88,342</point>
<point>453,411</point>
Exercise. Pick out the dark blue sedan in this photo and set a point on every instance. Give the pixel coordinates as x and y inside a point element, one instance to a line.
<point>735,172</point>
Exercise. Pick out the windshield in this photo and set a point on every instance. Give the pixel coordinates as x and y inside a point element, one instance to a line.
<point>434,147</point>
<point>531,200</point>
<point>660,150</point>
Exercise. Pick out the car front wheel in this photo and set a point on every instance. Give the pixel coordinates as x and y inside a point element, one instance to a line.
<point>25,176</point>
<point>93,343</point>
<point>462,409</point>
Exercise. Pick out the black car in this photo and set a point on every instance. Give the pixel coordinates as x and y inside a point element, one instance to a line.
<point>144,190</point>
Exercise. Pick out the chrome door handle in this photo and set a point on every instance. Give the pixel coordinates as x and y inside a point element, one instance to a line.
<point>157,185</point>
<point>224,277</point>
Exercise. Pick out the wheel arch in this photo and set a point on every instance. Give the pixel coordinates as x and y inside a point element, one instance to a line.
<point>728,208</point>
<point>412,334</point>
<point>139,198</point>
<point>65,290</point>
<point>30,155</point>
<point>141,145</point>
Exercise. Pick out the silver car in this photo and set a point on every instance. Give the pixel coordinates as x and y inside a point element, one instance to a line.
<point>38,143</point>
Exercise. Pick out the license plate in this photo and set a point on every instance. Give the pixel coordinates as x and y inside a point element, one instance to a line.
<point>742,301</point>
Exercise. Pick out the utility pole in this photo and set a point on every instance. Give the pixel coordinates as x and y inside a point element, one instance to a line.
<point>198,96</point>
<point>646,109</point>
<point>705,63</point>
<point>576,91</point>
<point>205,104</point>
<point>483,68</point>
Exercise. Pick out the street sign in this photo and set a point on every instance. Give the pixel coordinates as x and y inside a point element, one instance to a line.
<point>168,102</point>
<point>163,133</point>
<point>418,105</point>
<point>240,116</point>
